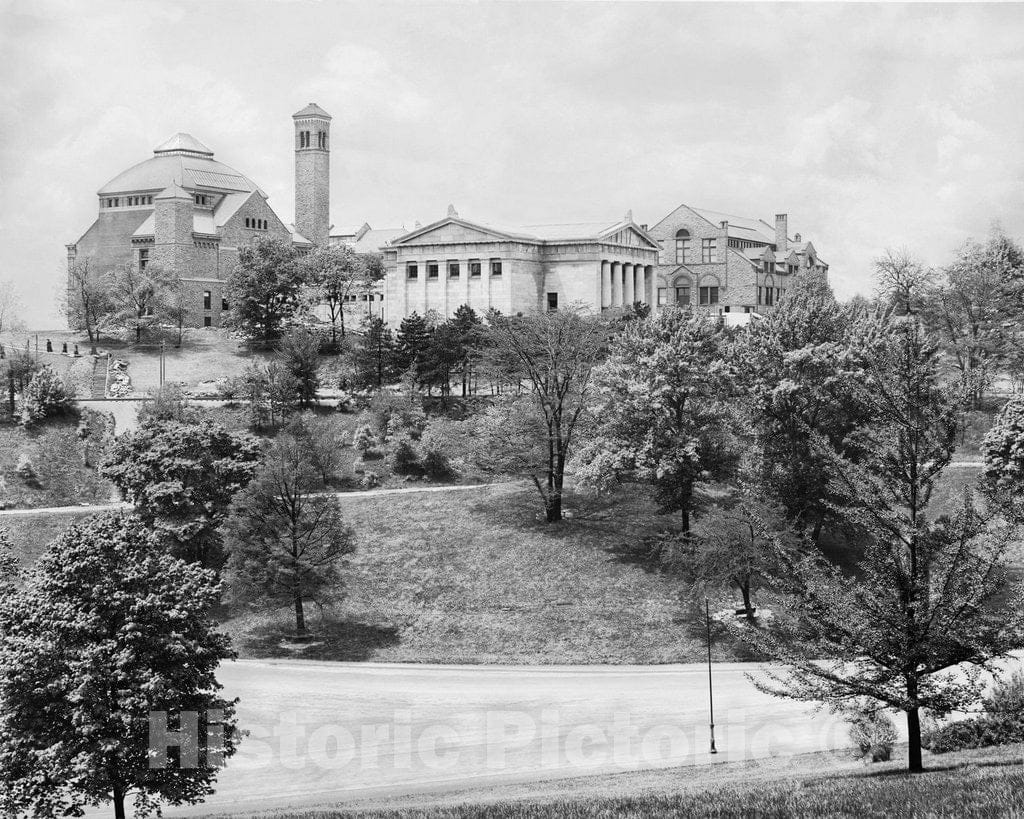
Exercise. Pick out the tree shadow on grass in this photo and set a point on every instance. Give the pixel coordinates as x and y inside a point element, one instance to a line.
<point>332,639</point>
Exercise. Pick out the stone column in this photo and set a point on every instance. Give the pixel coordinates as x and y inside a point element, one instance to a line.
<point>638,284</point>
<point>606,284</point>
<point>628,295</point>
<point>616,284</point>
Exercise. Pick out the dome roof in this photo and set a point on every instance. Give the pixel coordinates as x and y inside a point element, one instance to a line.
<point>181,160</point>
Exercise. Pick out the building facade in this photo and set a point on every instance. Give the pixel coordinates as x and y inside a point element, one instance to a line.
<point>728,264</point>
<point>455,261</point>
<point>190,213</point>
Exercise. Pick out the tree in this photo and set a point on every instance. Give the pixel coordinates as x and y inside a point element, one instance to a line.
<point>468,330</point>
<point>9,566</point>
<point>270,391</point>
<point>86,300</point>
<point>108,630</point>
<point>797,372</point>
<point>176,306</point>
<point>928,592</point>
<point>300,354</point>
<point>375,360</point>
<point>969,308</point>
<point>285,541</point>
<point>1003,449</point>
<point>138,298</point>
<point>263,289</point>
<point>337,273</point>
<point>555,352</point>
<point>902,281</point>
<point>663,417</point>
<point>411,346</point>
<point>182,477</point>
<point>442,359</point>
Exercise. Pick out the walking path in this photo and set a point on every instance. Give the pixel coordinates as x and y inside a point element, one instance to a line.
<point>367,493</point>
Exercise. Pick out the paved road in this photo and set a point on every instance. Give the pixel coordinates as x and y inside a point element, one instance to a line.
<point>321,733</point>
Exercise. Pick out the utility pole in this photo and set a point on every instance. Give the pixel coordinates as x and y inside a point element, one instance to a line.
<point>711,692</point>
<point>161,363</point>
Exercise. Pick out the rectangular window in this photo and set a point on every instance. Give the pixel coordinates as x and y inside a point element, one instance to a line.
<point>453,270</point>
<point>662,295</point>
<point>474,269</point>
<point>412,271</point>
<point>707,250</point>
<point>552,301</point>
<point>495,267</point>
<point>682,295</point>
<point>708,295</point>
<point>207,321</point>
<point>682,251</point>
<point>143,258</point>
<point>207,298</point>
<point>432,270</point>
<point>224,305</point>
<point>768,300</point>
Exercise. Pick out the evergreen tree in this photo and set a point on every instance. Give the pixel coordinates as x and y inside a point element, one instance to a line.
<point>468,329</point>
<point>411,346</point>
<point>375,357</point>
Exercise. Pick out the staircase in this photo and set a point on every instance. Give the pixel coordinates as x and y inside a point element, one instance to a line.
<point>98,382</point>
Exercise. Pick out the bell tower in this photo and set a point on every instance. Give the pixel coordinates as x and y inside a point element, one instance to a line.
<point>313,173</point>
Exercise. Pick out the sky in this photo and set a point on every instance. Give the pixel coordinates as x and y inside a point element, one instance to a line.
<point>871,125</point>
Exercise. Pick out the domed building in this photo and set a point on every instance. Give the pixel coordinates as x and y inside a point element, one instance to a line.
<point>190,213</point>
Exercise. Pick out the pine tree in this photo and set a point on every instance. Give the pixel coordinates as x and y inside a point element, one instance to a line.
<point>411,345</point>
<point>375,357</point>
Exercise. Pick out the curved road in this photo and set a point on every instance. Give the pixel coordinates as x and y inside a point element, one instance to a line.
<point>324,733</point>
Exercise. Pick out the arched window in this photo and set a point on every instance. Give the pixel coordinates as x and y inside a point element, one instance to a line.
<point>682,246</point>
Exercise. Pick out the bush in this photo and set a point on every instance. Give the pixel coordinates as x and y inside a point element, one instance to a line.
<point>369,480</point>
<point>392,415</point>
<point>405,460</point>
<point>1001,723</point>
<point>436,465</point>
<point>873,732</point>
<point>363,440</point>
<point>26,469</point>
<point>167,403</point>
<point>44,396</point>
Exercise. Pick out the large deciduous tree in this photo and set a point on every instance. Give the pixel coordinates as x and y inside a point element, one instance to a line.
<point>86,300</point>
<point>555,353</point>
<point>108,630</point>
<point>263,289</point>
<point>287,541</point>
<point>928,593</point>
<point>139,298</point>
<point>796,371</point>
<point>336,273</point>
<point>664,417</point>
<point>182,476</point>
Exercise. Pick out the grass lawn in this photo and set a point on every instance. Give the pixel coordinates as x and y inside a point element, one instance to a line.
<point>30,534</point>
<point>978,783</point>
<point>472,577</point>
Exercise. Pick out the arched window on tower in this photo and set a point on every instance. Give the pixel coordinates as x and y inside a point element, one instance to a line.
<point>682,246</point>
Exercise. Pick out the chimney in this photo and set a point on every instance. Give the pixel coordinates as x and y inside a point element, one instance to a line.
<point>797,237</point>
<point>724,224</point>
<point>781,233</point>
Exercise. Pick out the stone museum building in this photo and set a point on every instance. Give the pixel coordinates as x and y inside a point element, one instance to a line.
<point>190,213</point>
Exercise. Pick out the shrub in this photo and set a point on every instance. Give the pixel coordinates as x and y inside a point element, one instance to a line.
<point>405,460</point>
<point>873,732</point>
<point>1001,723</point>
<point>436,465</point>
<point>167,403</point>
<point>45,395</point>
<point>392,415</point>
<point>363,440</point>
<point>25,468</point>
<point>230,388</point>
<point>369,480</point>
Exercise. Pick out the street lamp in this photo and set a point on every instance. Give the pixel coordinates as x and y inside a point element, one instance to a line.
<point>711,692</point>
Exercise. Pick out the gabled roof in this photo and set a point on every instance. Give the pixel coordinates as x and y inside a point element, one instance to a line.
<point>182,143</point>
<point>371,241</point>
<point>311,110</point>
<point>536,234</point>
<point>740,227</point>
<point>174,191</point>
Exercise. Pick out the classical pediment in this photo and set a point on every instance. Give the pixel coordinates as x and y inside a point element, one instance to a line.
<point>456,231</point>
<point>630,236</point>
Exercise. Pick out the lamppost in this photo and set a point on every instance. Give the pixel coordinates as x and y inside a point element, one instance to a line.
<point>711,692</point>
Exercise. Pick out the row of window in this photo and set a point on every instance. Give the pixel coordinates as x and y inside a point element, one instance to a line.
<point>705,295</point>
<point>684,251</point>
<point>363,297</point>
<point>129,201</point>
<point>321,139</point>
<point>769,295</point>
<point>412,269</point>
<point>256,224</point>
<point>208,302</point>
<point>201,198</point>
